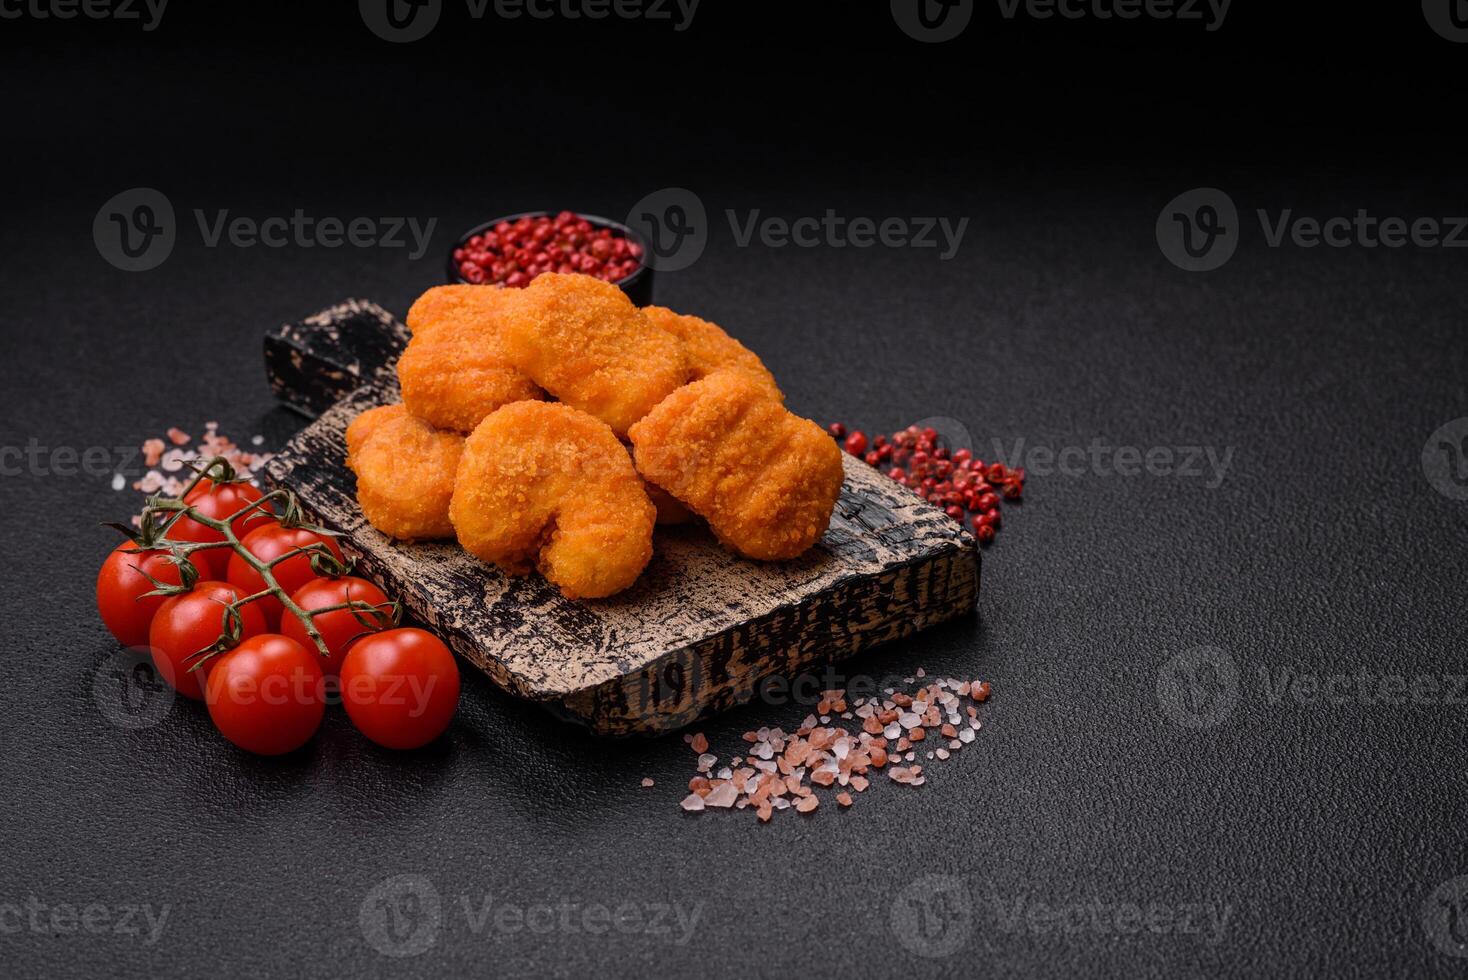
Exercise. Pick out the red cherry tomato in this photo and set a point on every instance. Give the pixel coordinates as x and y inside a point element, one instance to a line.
<point>190,622</point>
<point>339,628</point>
<point>270,542</point>
<point>400,687</point>
<point>267,695</point>
<point>218,501</point>
<point>120,586</point>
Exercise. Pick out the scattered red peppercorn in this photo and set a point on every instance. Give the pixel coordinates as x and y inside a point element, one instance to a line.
<point>954,480</point>
<point>514,252</point>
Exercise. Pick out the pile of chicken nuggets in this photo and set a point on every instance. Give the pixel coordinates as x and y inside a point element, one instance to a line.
<point>550,428</point>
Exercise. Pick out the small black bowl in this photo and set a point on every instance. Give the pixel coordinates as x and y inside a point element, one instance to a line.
<point>637,286</point>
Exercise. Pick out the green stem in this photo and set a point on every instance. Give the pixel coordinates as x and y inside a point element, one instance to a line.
<point>265,569</point>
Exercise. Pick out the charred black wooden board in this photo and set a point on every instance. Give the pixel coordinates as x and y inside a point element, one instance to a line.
<point>700,628</point>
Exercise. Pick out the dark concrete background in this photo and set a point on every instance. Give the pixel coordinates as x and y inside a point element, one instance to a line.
<point>1119,769</point>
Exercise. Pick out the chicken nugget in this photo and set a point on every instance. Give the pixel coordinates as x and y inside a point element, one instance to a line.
<point>765,480</point>
<point>547,485</point>
<point>709,348</point>
<point>670,511</point>
<point>405,477</point>
<point>362,427</point>
<point>455,373</point>
<point>460,303</point>
<point>582,340</point>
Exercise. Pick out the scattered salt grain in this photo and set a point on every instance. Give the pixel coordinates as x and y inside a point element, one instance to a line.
<point>781,771</point>
<point>722,796</point>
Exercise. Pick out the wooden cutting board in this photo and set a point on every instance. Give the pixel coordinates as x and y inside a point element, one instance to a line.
<point>699,630</point>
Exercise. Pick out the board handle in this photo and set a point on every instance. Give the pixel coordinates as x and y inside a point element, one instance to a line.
<point>315,362</point>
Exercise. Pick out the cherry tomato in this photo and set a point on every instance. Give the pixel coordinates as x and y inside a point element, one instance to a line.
<point>188,623</point>
<point>400,687</point>
<point>339,628</point>
<point>218,501</point>
<point>267,695</point>
<point>120,585</point>
<point>270,542</point>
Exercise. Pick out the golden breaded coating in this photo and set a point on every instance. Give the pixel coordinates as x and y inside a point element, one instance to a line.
<point>362,427</point>
<point>548,485</point>
<point>405,478</point>
<point>709,348</point>
<point>582,340</point>
<point>460,304</point>
<point>670,511</point>
<point>667,506</point>
<point>456,373</point>
<point>765,480</point>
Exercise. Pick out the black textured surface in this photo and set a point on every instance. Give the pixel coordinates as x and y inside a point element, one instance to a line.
<point>1324,828</point>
